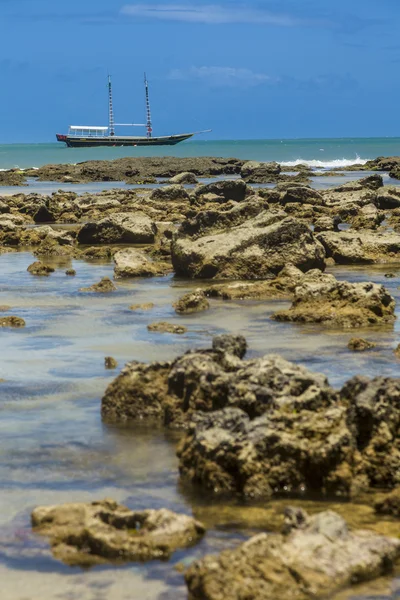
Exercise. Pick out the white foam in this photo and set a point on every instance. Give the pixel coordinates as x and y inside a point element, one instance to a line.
<point>327,164</point>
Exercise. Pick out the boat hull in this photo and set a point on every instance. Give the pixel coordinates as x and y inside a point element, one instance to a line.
<point>73,141</point>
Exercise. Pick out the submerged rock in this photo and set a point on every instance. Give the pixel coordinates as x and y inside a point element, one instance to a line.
<point>163,327</point>
<point>134,263</point>
<point>119,228</point>
<point>257,249</point>
<point>12,321</point>
<point>192,302</point>
<point>144,306</point>
<point>97,532</point>
<point>313,558</point>
<point>321,298</point>
<point>70,272</point>
<point>39,268</point>
<point>104,285</point>
<point>360,345</point>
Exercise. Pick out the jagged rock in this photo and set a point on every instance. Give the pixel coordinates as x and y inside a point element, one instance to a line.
<point>257,249</point>
<point>321,298</point>
<point>228,190</point>
<point>347,247</point>
<point>302,194</point>
<point>170,192</point>
<point>145,306</point>
<point>119,228</point>
<point>105,285</point>
<point>388,198</point>
<point>313,558</point>
<point>97,532</point>
<point>86,203</point>
<point>192,302</point>
<point>326,224</point>
<point>4,208</point>
<point>134,263</point>
<point>110,362</point>
<point>39,268</point>
<point>12,177</point>
<point>213,220</point>
<point>368,217</point>
<point>259,172</point>
<point>11,321</point>
<point>44,215</point>
<point>281,286</point>
<point>184,178</point>
<point>360,345</point>
<point>164,327</point>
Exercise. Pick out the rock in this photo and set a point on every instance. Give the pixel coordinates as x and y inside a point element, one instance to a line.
<point>281,286</point>
<point>347,247</point>
<point>134,263</point>
<point>314,557</point>
<point>373,182</point>
<point>70,272</point>
<point>397,351</point>
<point>145,306</point>
<point>39,268</point>
<point>368,217</point>
<point>12,178</point>
<point>191,302</point>
<point>388,198</point>
<point>258,172</point>
<point>97,532</point>
<point>12,321</point>
<point>326,224</point>
<point>44,215</point>
<point>119,228</point>
<point>207,380</point>
<point>164,327</point>
<point>110,362</point>
<point>257,249</point>
<point>105,285</point>
<point>228,190</point>
<point>302,194</point>
<point>321,298</point>
<point>93,253</point>
<point>360,345</point>
<point>184,178</point>
<point>389,504</point>
<point>170,192</point>
<point>4,208</point>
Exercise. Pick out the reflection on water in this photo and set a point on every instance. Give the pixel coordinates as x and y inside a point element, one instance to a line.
<point>54,447</point>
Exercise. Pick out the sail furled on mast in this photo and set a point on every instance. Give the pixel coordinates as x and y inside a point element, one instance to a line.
<point>149,125</point>
<point>111,124</point>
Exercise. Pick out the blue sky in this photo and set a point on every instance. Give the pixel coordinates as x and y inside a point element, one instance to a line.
<point>266,69</point>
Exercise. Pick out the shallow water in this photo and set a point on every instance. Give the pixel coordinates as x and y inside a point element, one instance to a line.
<point>49,187</point>
<point>54,447</point>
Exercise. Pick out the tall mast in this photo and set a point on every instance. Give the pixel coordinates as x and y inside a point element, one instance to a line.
<point>111,124</point>
<point>149,126</point>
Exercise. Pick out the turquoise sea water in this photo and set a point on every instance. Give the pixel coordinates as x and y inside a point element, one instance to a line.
<point>317,152</point>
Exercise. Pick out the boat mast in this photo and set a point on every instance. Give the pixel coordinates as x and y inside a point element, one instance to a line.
<point>111,124</point>
<point>149,126</point>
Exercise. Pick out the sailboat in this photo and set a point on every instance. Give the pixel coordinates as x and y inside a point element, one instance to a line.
<point>84,136</point>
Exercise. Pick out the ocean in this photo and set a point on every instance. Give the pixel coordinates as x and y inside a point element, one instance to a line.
<point>318,153</point>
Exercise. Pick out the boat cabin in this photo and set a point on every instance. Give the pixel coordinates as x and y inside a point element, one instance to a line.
<point>86,131</point>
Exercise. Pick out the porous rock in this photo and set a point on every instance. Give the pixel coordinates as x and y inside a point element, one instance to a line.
<point>321,298</point>
<point>192,302</point>
<point>312,558</point>
<point>119,228</point>
<point>97,532</point>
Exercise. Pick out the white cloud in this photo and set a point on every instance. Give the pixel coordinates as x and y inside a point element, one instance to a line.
<point>209,13</point>
<point>221,76</point>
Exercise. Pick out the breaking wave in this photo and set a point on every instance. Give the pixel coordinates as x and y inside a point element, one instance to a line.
<point>327,164</point>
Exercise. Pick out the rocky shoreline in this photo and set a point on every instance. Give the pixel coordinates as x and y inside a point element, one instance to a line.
<point>252,428</point>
